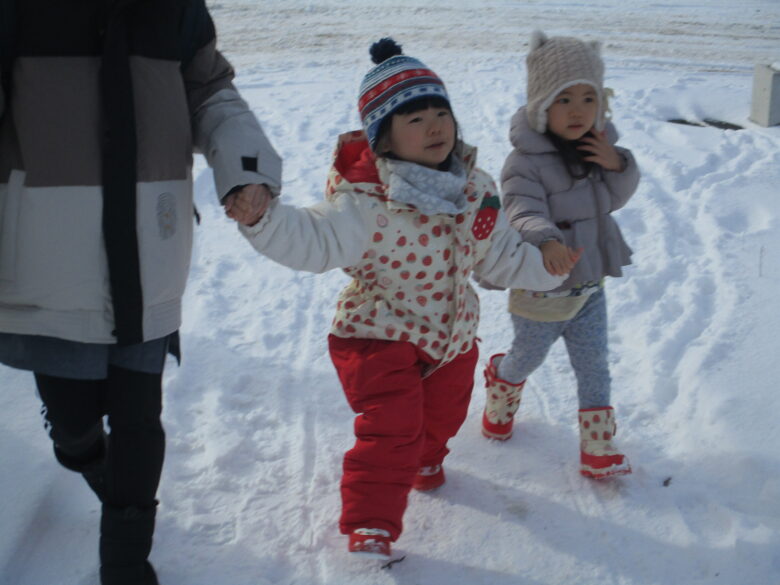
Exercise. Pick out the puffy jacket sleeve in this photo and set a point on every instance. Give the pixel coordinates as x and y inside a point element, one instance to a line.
<point>621,185</point>
<point>525,200</point>
<point>331,234</point>
<point>513,263</point>
<point>224,128</point>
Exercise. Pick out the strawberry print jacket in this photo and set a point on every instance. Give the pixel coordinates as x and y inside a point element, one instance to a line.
<point>410,272</point>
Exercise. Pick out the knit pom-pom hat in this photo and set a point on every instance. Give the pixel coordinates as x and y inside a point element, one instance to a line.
<point>556,63</point>
<point>395,81</point>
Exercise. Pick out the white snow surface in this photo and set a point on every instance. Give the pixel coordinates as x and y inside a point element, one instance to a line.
<point>255,417</point>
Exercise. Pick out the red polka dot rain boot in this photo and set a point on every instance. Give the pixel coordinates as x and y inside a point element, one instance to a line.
<point>599,458</point>
<point>503,399</point>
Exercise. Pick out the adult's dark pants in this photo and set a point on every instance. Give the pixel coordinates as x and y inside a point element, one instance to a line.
<point>128,455</point>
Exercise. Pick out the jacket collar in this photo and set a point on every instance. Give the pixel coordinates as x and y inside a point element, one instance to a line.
<point>356,168</point>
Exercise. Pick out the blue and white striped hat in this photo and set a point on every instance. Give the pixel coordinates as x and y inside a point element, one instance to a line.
<point>395,81</point>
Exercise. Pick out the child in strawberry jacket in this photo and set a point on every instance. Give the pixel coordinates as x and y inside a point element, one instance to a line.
<point>560,183</point>
<point>409,217</point>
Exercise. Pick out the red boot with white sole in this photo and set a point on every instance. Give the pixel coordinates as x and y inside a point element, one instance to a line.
<point>429,478</point>
<point>501,404</point>
<point>370,542</point>
<point>599,458</point>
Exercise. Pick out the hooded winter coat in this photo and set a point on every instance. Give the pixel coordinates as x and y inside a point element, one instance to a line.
<point>102,106</point>
<point>544,202</point>
<point>410,271</point>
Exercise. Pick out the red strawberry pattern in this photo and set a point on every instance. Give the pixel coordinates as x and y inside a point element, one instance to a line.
<point>486,217</point>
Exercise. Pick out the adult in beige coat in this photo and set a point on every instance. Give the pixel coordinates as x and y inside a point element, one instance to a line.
<point>102,105</point>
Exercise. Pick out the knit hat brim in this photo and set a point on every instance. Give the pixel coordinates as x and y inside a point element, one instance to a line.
<point>540,123</point>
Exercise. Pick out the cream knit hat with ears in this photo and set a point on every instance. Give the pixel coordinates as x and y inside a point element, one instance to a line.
<point>556,63</point>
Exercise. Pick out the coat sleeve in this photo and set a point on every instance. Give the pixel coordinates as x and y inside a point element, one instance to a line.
<point>621,185</point>
<point>224,128</point>
<point>525,201</point>
<point>513,263</point>
<point>331,234</point>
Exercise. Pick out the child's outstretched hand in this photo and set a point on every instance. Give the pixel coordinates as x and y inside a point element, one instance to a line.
<point>248,205</point>
<point>559,259</point>
<point>602,152</point>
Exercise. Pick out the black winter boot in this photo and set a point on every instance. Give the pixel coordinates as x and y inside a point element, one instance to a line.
<point>92,464</point>
<point>125,544</point>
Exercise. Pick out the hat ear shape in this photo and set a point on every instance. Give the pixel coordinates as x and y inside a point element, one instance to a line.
<point>538,38</point>
<point>596,46</point>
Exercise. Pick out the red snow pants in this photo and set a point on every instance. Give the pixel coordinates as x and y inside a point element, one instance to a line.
<point>404,422</point>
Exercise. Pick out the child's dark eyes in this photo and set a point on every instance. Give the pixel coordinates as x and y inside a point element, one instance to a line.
<point>416,119</point>
<point>565,100</point>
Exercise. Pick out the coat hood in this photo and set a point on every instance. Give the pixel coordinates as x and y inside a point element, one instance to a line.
<point>356,167</point>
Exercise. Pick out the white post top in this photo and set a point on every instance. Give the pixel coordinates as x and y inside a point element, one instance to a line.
<point>765,106</point>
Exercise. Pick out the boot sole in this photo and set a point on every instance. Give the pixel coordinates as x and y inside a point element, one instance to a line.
<point>428,488</point>
<point>364,554</point>
<point>607,472</point>
<point>496,436</point>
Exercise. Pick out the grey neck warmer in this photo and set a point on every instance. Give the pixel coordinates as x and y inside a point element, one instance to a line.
<point>429,190</point>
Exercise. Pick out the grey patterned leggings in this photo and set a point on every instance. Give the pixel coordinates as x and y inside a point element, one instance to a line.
<point>586,341</point>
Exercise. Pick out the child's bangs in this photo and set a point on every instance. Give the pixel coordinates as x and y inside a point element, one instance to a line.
<point>423,103</point>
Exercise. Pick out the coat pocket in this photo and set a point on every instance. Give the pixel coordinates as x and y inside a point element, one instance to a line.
<point>10,202</point>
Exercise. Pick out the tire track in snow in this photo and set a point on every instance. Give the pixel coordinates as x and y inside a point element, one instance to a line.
<point>307,386</point>
<point>234,447</point>
<point>665,305</point>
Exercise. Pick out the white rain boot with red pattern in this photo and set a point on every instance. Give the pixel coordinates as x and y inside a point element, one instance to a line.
<point>503,399</point>
<point>599,458</point>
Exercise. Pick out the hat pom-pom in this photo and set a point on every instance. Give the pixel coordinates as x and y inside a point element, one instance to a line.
<point>383,49</point>
<point>538,38</point>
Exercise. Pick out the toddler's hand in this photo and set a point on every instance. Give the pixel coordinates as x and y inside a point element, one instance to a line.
<point>559,259</point>
<point>248,205</point>
<point>602,152</point>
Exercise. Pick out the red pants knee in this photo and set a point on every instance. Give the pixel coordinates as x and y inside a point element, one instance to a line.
<point>404,422</point>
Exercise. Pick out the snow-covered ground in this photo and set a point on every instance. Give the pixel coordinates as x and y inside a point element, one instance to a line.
<point>256,420</point>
